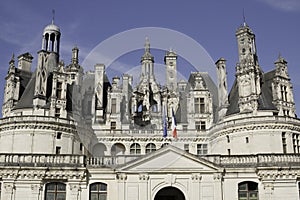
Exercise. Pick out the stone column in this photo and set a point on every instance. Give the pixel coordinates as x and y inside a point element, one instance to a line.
<point>74,191</point>
<point>36,191</point>
<point>195,186</point>
<point>8,190</point>
<point>143,186</point>
<point>218,193</point>
<point>121,177</point>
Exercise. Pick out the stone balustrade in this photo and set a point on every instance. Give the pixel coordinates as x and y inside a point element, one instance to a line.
<point>232,161</point>
<point>259,160</point>
<point>110,160</point>
<point>40,160</point>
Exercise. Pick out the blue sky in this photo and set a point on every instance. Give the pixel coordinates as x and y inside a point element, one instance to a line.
<point>211,23</point>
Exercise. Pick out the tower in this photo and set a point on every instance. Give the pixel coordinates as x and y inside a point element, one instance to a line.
<point>10,87</point>
<point>170,62</point>
<point>248,72</point>
<point>222,87</point>
<point>282,89</point>
<point>48,59</point>
<point>147,62</point>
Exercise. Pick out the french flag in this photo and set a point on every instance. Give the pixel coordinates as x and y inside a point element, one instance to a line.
<point>165,133</point>
<point>174,132</point>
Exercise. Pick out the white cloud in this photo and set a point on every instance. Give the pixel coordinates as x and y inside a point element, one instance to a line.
<point>284,5</point>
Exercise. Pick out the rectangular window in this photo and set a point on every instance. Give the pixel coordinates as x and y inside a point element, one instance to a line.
<point>89,108</point>
<point>113,105</point>
<point>185,127</point>
<point>201,149</point>
<point>59,90</point>
<point>57,112</point>
<point>283,142</point>
<point>113,125</point>
<point>296,143</point>
<point>58,135</point>
<point>57,150</point>
<point>199,105</point>
<point>200,126</point>
<point>80,147</point>
<point>186,147</point>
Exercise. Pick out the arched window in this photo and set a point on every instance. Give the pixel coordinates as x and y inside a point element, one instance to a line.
<point>135,148</point>
<point>150,147</point>
<point>118,149</point>
<point>55,191</point>
<point>248,191</point>
<point>98,191</point>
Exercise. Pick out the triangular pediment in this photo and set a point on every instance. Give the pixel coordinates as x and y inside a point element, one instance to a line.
<point>169,159</point>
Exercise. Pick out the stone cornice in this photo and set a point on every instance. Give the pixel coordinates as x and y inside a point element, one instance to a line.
<point>254,123</point>
<point>36,122</point>
<point>151,139</point>
<point>34,173</point>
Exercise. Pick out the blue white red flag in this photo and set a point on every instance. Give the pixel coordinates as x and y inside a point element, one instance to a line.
<point>174,131</point>
<point>165,134</point>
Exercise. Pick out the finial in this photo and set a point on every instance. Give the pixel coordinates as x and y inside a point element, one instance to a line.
<point>147,45</point>
<point>244,18</point>
<point>13,56</point>
<point>53,15</point>
<point>12,60</point>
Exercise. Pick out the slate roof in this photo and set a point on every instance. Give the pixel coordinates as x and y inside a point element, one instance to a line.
<point>265,101</point>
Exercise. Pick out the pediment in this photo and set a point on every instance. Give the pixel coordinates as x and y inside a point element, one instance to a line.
<point>169,159</point>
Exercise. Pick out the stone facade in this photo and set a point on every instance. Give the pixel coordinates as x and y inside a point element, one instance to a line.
<point>66,134</point>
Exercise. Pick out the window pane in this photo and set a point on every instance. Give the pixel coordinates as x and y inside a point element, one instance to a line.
<point>102,187</point>
<point>50,186</point>
<point>49,196</point>
<point>243,186</point>
<point>94,196</point>
<point>61,196</point>
<point>61,187</point>
<point>102,196</point>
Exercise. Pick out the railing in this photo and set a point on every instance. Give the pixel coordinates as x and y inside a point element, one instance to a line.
<point>232,161</point>
<point>39,160</point>
<point>259,160</point>
<point>110,160</point>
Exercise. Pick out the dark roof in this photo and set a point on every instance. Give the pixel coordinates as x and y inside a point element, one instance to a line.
<point>26,100</point>
<point>233,100</point>
<point>265,101</point>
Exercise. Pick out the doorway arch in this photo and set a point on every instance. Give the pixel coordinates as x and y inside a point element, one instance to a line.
<point>169,193</point>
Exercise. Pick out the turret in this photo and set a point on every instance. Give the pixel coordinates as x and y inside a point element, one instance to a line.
<point>171,76</point>
<point>9,90</point>
<point>48,59</point>
<point>222,87</point>
<point>248,72</point>
<point>147,62</point>
<point>283,97</point>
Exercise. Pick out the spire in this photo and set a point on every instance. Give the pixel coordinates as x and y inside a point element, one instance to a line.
<point>147,55</point>
<point>244,18</point>
<point>53,16</point>
<point>12,60</point>
<point>147,45</point>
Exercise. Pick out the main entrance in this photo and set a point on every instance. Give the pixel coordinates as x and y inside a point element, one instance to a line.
<point>169,193</point>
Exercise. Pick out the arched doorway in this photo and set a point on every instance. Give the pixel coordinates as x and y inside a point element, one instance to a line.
<point>169,193</point>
